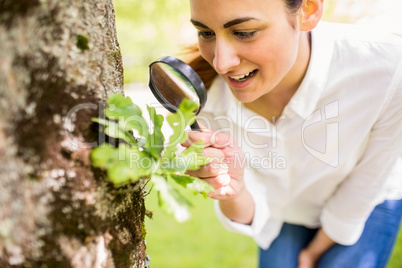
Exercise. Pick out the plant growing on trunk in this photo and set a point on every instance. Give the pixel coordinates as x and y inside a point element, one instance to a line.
<point>142,155</point>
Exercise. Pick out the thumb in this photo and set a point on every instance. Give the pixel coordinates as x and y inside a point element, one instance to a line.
<point>203,127</point>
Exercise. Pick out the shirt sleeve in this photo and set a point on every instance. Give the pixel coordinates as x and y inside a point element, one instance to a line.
<point>261,210</point>
<point>344,215</point>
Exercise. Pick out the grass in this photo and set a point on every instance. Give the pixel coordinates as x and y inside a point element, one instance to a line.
<point>396,258</point>
<point>203,242</point>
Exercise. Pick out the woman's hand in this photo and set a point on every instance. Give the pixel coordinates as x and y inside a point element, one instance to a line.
<point>225,172</point>
<point>307,259</point>
<point>321,243</point>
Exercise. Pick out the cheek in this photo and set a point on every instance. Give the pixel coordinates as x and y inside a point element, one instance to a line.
<point>279,53</point>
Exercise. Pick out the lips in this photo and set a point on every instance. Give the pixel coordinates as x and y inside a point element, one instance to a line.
<point>244,77</point>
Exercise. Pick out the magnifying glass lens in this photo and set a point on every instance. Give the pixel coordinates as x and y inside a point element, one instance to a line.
<point>171,85</point>
<point>171,80</point>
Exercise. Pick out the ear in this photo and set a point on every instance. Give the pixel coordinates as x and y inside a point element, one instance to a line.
<point>310,14</point>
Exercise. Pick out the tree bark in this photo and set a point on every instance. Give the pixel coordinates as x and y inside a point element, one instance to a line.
<point>59,59</point>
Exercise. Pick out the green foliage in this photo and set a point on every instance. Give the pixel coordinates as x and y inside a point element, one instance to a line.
<point>148,30</point>
<point>142,155</point>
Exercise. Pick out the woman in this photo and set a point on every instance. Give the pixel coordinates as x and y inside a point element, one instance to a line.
<point>307,131</point>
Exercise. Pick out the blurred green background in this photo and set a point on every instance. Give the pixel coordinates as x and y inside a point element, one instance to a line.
<point>148,30</point>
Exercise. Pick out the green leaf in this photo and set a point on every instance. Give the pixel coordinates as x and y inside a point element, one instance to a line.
<point>118,105</point>
<point>189,159</point>
<point>105,156</point>
<point>171,200</point>
<point>121,173</point>
<point>128,114</point>
<point>193,158</point>
<point>123,164</point>
<point>195,184</point>
<point>178,122</point>
<point>156,139</point>
<point>113,130</point>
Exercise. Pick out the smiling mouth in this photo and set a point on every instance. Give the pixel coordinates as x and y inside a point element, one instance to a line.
<point>243,77</point>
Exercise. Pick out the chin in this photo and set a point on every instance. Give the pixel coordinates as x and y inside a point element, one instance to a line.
<point>245,97</point>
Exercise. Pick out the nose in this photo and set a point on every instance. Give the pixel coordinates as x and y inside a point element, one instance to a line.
<point>225,56</point>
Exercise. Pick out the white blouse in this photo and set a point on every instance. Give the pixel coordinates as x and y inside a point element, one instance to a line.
<point>334,154</point>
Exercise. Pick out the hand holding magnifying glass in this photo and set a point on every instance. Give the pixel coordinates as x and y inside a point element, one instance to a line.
<point>171,80</point>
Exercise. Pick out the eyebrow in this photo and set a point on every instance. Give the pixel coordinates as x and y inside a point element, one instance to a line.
<point>226,25</point>
<point>199,24</point>
<point>237,21</point>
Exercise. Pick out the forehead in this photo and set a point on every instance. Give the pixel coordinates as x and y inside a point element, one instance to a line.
<point>219,11</point>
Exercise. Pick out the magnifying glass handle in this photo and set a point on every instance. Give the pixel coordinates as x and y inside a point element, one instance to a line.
<point>195,126</point>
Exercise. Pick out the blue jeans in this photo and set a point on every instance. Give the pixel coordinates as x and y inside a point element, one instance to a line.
<point>372,250</point>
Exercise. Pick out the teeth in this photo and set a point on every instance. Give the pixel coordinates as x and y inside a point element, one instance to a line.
<point>241,77</point>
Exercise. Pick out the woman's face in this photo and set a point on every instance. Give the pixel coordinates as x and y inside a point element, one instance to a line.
<point>250,43</point>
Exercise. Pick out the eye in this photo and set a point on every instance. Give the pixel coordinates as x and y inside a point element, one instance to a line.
<point>244,35</point>
<point>206,35</point>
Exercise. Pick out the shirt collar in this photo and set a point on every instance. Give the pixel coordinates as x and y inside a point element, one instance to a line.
<point>304,101</point>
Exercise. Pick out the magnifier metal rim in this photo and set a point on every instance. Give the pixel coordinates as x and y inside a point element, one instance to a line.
<point>187,72</point>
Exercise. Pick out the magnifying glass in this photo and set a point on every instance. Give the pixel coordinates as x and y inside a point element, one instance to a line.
<point>171,80</point>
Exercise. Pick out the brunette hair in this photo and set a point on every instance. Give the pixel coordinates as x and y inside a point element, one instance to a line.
<point>206,72</point>
<point>293,6</point>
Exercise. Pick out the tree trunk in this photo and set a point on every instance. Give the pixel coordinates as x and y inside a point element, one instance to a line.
<point>58,60</point>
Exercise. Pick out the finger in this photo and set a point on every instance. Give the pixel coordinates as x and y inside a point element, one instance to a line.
<point>202,127</point>
<point>210,138</point>
<point>217,155</point>
<point>223,193</point>
<point>210,170</point>
<point>218,181</point>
